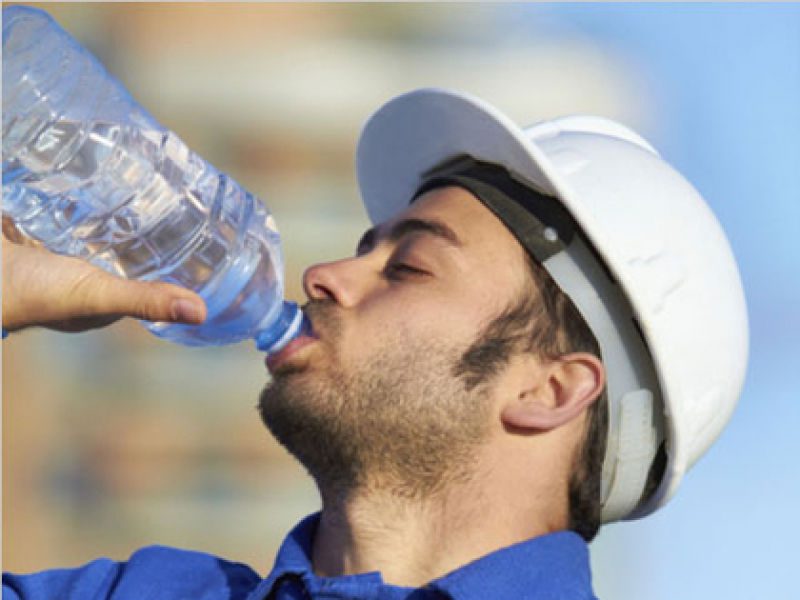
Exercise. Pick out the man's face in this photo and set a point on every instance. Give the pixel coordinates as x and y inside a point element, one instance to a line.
<point>376,399</point>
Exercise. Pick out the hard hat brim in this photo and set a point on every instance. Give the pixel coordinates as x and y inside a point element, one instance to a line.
<point>419,130</point>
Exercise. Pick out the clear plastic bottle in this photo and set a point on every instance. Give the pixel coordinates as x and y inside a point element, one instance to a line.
<point>89,173</point>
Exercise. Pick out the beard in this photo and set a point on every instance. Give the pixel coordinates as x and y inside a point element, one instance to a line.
<point>402,421</point>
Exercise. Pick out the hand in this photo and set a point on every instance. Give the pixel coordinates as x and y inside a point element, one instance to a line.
<point>69,294</point>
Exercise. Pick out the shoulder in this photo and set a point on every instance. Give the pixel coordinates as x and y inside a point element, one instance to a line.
<point>152,572</point>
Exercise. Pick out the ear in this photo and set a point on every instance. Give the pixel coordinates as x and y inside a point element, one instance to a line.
<point>563,389</point>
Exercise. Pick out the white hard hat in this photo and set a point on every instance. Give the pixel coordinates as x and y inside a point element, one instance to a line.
<point>651,271</point>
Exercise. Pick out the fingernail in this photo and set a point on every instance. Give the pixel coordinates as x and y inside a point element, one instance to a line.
<point>187,311</point>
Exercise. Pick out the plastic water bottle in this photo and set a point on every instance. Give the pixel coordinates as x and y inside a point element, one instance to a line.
<point>89,173</point>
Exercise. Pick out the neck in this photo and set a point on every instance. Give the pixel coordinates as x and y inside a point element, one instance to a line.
<point>412,541</point>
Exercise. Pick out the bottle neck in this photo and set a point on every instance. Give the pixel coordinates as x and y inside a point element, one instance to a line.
<point>291,323</point>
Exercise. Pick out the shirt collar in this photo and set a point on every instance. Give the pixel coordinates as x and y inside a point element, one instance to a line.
<point>294,560</point>
<point>552,566</point>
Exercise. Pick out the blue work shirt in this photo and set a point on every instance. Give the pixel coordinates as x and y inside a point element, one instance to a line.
<point>551,567</point>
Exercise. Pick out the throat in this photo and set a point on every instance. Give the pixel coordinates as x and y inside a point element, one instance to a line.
<point>409,542</point>
<point>412,540</point>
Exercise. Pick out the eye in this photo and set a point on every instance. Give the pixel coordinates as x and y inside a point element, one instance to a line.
<point>400,270</point>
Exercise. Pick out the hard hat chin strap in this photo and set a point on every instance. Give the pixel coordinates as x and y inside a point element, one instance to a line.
<point>550,235</point>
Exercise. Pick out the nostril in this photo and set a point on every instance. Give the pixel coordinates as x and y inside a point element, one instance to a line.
<point>341,281</point>
<point>320,292</point>
<point>318,284</point>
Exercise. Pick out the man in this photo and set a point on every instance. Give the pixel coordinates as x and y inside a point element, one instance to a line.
<point>510,358</point>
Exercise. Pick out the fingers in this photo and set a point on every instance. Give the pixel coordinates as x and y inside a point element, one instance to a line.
<point>41,288</point>
<point>152,301</point>
<point>188,311</point>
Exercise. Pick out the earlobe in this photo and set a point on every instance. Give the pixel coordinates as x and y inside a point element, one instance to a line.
<point>569,385</point>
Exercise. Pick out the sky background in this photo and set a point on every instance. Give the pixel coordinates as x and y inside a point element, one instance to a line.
<point>145,446</point>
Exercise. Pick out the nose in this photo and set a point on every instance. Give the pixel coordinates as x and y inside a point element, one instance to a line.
<point>342,281</point>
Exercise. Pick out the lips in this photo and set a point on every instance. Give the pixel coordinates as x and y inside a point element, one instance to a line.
<point>274,361</point>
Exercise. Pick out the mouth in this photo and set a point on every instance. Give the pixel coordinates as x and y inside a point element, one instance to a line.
<point>282,357</point>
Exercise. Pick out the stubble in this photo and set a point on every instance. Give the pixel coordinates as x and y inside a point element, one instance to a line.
<point>401,421</point>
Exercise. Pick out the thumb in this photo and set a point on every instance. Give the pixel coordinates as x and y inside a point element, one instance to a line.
<point>151,301</point>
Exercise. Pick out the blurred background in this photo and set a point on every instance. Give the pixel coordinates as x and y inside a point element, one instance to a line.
<point>114,440</point>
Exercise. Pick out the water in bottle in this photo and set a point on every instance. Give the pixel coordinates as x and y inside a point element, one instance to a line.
<point>89,173</point>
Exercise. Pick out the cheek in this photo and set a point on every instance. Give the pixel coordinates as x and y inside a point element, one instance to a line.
<point>454,317</point>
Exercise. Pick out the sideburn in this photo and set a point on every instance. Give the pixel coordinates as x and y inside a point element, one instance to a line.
<point>515,330</point>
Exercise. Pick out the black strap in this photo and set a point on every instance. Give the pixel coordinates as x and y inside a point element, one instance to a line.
<point>539,222</point>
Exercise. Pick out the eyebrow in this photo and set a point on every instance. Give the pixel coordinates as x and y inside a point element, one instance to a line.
<point>408,227</point>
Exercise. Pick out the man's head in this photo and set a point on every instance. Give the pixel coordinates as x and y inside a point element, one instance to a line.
<point>639,253</point>
<point>615,229</point>
<point>441,342</point>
